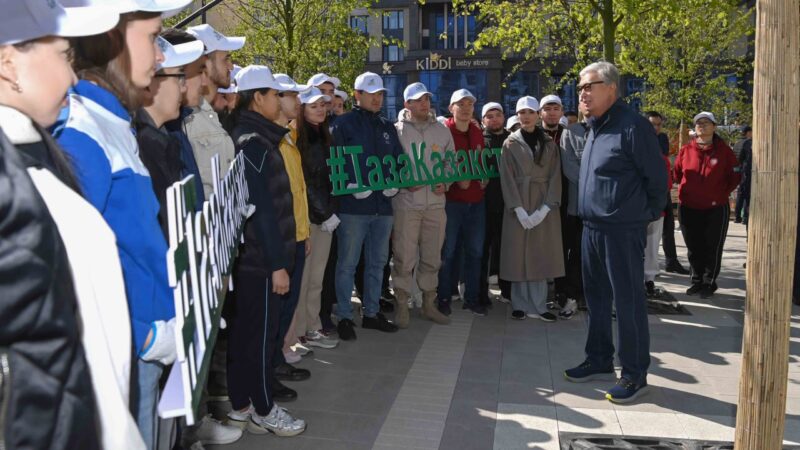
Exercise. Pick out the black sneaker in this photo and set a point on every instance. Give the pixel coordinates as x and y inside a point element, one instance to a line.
<point>676,267</point>
<point>518,315</point>
<point>560,300</point>
<point>444,307</point>
<point>387,295</point>
<point>288,372</point>
<point>346,330</point>
<point>694,289</point>
<point>708,290</point>
<point>386,305</point>
<point>379,322</point>
<point>281,393</point>
<point>650,288</point>
<point>548,317</point>
<point>477,309</point>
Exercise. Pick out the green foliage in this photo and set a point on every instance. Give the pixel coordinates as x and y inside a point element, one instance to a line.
<point>301,37</point>
<point>684,49</point>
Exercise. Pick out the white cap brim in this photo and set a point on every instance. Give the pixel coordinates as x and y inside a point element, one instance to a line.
<point>227,90</point>
<point>58,21</point>
<point>341,94</point>
<point>299,88</point>
<point>314,98</point>
<point>458,99</point>
<point>372,91</point>
<point>167,8</point>
<point>229,44</point>
<point>320,78</point>
<point>418,95</point>
<point>182,54</point>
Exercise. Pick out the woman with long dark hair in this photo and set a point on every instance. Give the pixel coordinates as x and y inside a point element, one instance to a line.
<point>97,135</point>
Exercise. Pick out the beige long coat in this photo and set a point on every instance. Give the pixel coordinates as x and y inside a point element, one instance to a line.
<point>535,254</point>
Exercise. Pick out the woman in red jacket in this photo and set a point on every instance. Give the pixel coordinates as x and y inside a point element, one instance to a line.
<point>707,171</point>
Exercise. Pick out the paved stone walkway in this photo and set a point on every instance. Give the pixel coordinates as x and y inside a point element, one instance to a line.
<point>496,383</point>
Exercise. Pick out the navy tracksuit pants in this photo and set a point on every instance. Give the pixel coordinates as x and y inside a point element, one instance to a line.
<point>612,265</point>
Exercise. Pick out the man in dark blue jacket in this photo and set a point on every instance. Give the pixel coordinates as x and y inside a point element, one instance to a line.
<point>622,187</point>
<point>366,217</point>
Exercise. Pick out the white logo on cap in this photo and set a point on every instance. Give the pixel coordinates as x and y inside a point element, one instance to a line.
<point>218,36</point>
<point>371,82</point>
<point>51,4</point>
<point>163,45</point>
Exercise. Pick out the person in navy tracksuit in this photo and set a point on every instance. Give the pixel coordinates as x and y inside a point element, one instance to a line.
<point>622,188</point>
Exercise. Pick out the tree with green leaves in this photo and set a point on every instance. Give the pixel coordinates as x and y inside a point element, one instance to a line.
<point>684,49</point>
<point>301,37</point>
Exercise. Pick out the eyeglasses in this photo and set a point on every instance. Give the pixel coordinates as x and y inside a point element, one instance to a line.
<point>587,87</point>
<point>180,76</point>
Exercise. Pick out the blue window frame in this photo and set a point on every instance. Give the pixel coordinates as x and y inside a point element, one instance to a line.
<point>393,28</point>
<point>443,83</point>
<point>393,97</point>
<point>519,85</point>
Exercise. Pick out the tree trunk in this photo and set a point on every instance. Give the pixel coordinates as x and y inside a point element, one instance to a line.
<point>773,227</point>
<point>609,30</point>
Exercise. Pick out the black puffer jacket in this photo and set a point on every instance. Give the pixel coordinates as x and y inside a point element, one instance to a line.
<point>46,397</point>
<point>317,174</point>
<point>269,235</point>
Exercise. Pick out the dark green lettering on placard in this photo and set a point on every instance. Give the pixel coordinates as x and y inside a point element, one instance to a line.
<point>406,171</point>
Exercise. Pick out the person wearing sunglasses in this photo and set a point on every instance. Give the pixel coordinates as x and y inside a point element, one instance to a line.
<point>622,188</point>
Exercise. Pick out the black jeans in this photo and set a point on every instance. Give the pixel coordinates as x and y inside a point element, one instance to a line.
<point>329,287</point>
<point>571,284</point>
<point>704,231</point>
<point>490,261</point>
<point>253,329</point>
<point>668,234</point>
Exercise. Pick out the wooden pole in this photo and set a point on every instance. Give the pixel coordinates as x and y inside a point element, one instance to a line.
<point>773,227</point>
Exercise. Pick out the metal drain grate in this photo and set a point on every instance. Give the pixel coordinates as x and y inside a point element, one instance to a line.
<point>579,441</point>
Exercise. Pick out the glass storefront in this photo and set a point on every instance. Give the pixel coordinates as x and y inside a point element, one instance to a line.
<point>519,85</point>
<point>393,97</point>
<point>443,83</point>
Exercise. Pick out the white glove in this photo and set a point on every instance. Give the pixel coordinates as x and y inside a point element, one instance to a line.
<point>538,216</point>
<point>330,224</point>
<point>523,218</point>
<point>391,192</point>
<point>360,195</point>
<point>162,344</point>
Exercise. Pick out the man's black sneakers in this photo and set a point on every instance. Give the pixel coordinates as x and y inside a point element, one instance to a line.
<point>379,322</point>
<point>287,372</point>
<point>346,330</point>
<point>676,267</point>
<point>281,393</point>
<point>694,289</point>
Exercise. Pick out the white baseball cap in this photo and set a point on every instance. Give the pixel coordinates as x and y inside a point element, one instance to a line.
<point>232,88</point>
<point>704,115</point>
<point>319,78</point>
<point>256,77</point>
<point>23,20</point>
<point>460,94</point>
<point>214,40</point>
<point>341,94</point>
<point>369,82</point>
<point>336,82</point>
<point>312,95</point>
<point>527,102</point>
<point>167,8</point>
<point>490,106</point>
<point>551,99</point>
<point>289,84</point>
<point>415,91</point>
<point>179,54</point>
<point>513,120</point>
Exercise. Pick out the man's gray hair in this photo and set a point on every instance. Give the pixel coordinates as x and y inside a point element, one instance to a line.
<point>607,72</point>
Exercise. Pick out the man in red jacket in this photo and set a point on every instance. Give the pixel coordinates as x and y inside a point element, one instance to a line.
<point>466,211</point>
<point>707,171</point>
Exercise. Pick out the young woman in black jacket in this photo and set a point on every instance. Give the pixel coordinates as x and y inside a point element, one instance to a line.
<point>266,259</point>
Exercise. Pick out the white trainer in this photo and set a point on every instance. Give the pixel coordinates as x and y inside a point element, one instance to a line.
<point>210,431</point>
<point>239,419</point>
<point>292,357</point>
<point>278,422</point>
<point>569,309</point>
<point>317,339</point>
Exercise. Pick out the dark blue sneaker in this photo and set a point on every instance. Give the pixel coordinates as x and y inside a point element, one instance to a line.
<point>626,391</point>
<point>587,372</point>
<point>476,308</point>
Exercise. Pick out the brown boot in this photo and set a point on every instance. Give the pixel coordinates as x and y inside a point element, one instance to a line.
<point>401,308</point>
<point>430,311</point>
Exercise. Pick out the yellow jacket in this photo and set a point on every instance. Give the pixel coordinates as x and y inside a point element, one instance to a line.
<point>294,168</point>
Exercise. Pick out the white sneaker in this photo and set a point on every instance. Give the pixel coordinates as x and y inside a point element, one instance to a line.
<point>317,339</point>
<point>502,299</point>
<point>292,357</point>
<point>301,349</point>
<point>279,422</point>
<point>569,309</point>
<point>210,431</point>
<point>492,279</point>
<point>239,419</point>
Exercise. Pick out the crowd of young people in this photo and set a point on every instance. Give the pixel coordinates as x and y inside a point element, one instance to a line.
<point>102,110</point>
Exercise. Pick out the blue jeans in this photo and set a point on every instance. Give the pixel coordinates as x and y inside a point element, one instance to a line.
<point>144,400</point>
<point>613,269</point>
<point>468,219</point>
<point>355,231</point>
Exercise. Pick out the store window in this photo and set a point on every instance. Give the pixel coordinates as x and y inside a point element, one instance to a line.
<point>567,92</point>
<point>519,85</point>
<point>360,23</point>
<point>393,97</point>
<point>634,86</point>
<point>438,20</point>
<point>443,83</point>
<point>393,30</point>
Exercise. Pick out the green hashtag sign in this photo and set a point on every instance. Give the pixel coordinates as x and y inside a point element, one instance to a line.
<point>349,176</point>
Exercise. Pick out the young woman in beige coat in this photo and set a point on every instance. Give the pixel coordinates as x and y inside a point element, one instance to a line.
<point>530,177</point>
